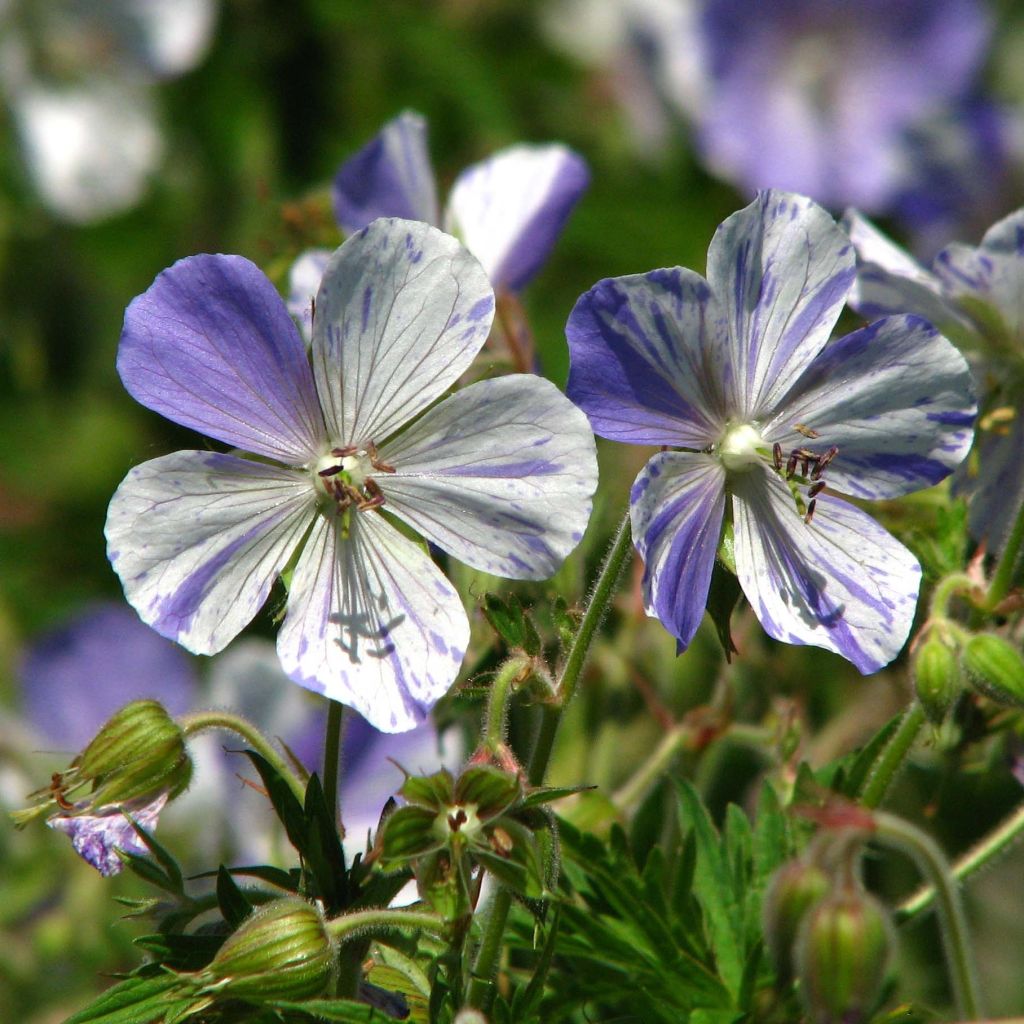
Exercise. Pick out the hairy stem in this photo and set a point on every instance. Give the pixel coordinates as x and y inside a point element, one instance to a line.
<point>384,918</point>
<point>631,791</point>
<point>1002,578</point>
<point>501,690</point>
<point>892,757</point>
<point>332,754</point>
<point>200,721</point>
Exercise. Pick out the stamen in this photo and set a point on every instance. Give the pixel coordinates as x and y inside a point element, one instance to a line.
<point>815,489</point>
<point>824,460</point>
<point>375,461</point>
<point>810,512</point>
<point>777,456</point>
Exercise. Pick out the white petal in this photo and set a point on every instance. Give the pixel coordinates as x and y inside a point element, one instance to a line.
<point>372,623</point>
<point>198,538</point>
<point>499,475</point>
<point>510,209</point>
<point>780,269</point>
<point>840,582</point>
<point>401,312</point>
<point>303,283</point>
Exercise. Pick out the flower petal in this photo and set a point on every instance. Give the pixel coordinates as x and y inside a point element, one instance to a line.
<point>840,582</point>
<point>676,509</point>
<point>889,281</point>
<point>303,282</point>
<point>500,475</point>
<point>645,358</point>
<point>401,312</point>
<point>96,838</point>
<point>372,623</point>
<point>781,269</point>
<point>1006,235</point>
<point>897,400</point>
<point>210,345</point>
<point>988,284</point>
<point>998,493</point>
<point>198,538</point>
<point>510,209</point>
<point>389,177</point>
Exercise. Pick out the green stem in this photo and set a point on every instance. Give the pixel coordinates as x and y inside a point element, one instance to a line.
<point>946,589</point>
<point>1002,578</point>
<point>891,759</point>
<point>565,689</point>
<point>964,867</point>
<point>199,721</point>
<point>631,792</point>
<point>497,702</point>
<point>332,754</point>
<point>486,962</point>
<point>363,920</point>
<point>956,942</point>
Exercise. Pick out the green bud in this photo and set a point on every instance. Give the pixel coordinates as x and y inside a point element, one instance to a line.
<point>995,668</point>
<point>936,675</point>
<point>791,893</point>
<point>280,951</point>
<point>842,955</point>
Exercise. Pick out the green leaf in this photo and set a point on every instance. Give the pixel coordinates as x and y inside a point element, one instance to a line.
<point>488,788</point>
<point>566,624</point>
<point>136,1000</point>
<point>723,595</point>
<point>506,619</point>
<point>526,1000</point>
<point>285,804</point>
<point>859,771</point>
<point>162,855</point>
<point>324,855</point>
<point>547,794</point>
<point>409,833</point>
<point>342,1011</point>
<point>234,906</point>
<point>434,791</point>
<point>713,887</point>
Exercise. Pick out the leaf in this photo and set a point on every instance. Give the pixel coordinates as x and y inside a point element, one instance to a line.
<point>858,773</point>
<point>135,1000</point>
<point>723,595</point>
<point>324,855</point>
<point>286,806</point>
<point>162,855</point>
<point>713,887</point>
<point>488,788</point>
<point>409,833</point>
<point>525,1003</point>
<point>234,906</point>
<point>506,619</point>
<point>566,624</point>
<point>343,1011</point>
<point>434,791</point>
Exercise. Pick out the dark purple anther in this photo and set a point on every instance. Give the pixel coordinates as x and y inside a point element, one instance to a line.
<point>810,512</point>
<point>816,489</point>
<point>777,456</point>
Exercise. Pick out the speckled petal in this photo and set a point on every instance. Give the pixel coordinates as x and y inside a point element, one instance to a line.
<point>889,281</point>
<point>211,346</point>
<point>389,177</point>
<point>510,209</point>
<point>96,838</point>
<point>676,509</point>
<point>840,582</point>
<point>500,475</point>
<point>303,282</point>
<point>372,623</point>
<point>646,359</point>
<point>896,398</point>
<point>401,312</point>
<point>198,539</point>
<point>781,269</point>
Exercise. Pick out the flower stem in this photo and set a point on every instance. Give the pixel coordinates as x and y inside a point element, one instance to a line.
<point>199,721</point>
<point>973,860</point>
<point>497,702</point>
<point>363,920</point>
<point>631,792</point>
<point>892,757</point>
<point>332,754</point>
<point>1002,578</point>
<point>946,589</point>
<point>933,864</point>
<point>485,964</point>
<point>600,599</point>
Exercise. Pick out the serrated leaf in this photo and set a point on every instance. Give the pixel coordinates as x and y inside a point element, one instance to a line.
<point>713,887</point>
<point>488,788</point>
<point>234,905</point>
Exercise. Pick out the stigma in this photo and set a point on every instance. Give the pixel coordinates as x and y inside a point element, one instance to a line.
<point>741,448</point>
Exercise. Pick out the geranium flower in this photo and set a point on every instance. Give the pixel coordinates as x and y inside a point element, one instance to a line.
<point>974,296</point>
<point>507,210</point>
<point>736,376</point>
<point>499,475</point>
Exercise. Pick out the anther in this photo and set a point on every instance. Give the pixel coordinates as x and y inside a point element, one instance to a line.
<point>375,460</point>
<point>815,489</point>
<point>823,461</point>
<point>791,464</point>
<point>340,453</point>
<point>777,456</point>
<point>329,471</point>
<point>810,512</point>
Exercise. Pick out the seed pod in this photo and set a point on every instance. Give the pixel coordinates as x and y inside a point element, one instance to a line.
<point>281,951</point>
<point>842,954</point>
<point>995,668</point>
<point>793,890</point>
<point>936,675</point>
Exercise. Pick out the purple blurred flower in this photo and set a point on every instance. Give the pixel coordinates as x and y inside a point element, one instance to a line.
<point>499,475</point>
<point>97,837</point>
<point>737,375</point>
<point>816,96</point>
<point>974,296</point>
<point>75,676</point>
<point>507,210</point>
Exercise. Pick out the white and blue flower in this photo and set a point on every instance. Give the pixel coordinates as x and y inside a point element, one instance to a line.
<point>764,419</point>
<point>500,474</point>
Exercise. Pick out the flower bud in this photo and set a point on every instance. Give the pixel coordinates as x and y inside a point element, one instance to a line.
<point>936,675</point>
<point>995,668</point>
<point>793,890</point>
<point>281,951</point>
<point>842,954</point>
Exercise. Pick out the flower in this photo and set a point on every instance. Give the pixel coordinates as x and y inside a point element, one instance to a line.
<point>499,475</point>
<point>737,375</point>
<point>508,210</point>
<point>815,96</point>
<point>973,296</point>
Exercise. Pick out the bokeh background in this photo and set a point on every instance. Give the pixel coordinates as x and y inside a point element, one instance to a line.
<point>135,133</point>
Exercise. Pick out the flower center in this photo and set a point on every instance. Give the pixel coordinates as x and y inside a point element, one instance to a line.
<point>344,476</point>
<point>741,448</point>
